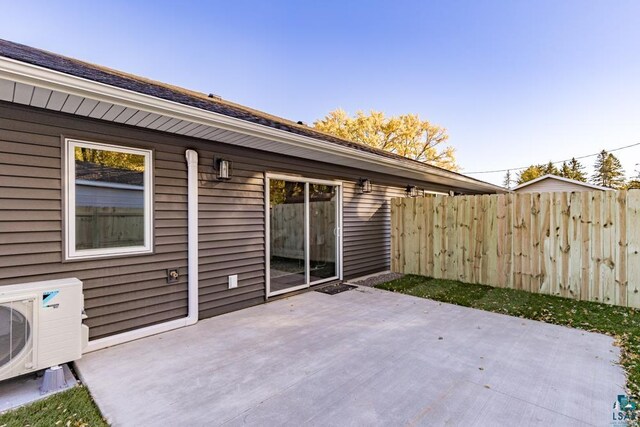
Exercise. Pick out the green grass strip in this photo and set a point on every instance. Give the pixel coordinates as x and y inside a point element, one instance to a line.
<point>72,408</point>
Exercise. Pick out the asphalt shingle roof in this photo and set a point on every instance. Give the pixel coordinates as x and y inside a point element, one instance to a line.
<point>180,95</point>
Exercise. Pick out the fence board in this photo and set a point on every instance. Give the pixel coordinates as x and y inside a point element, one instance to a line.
<point>518,236</point>
<point>411,243</point>
<point>534,252</point>
<point>621,238</point>
<point>596,247</point>
<point>544,243</point>
<point>508,237</point>
<point>554,244</point>
<point>439,240</point>
<point>450,267</point>
<point>633,250</point>
<point>578,245</point>
<point>575,240</point>
<point>608,249</point>
<point>565,245</point>
<point>585,246</point>
<point>429,215</point>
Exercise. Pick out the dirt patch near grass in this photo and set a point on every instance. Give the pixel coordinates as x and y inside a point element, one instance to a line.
<point>376,279</point>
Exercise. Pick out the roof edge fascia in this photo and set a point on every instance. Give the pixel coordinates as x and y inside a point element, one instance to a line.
<point>25,73</point>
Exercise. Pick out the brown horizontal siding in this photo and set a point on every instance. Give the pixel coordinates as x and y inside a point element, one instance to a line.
<point>30,160</point>
<point>241,268</point>
<point>227,306</point>
<point>213,298</point>
<point>120,293</point>
<point>27,248</point>
<point>366,217</point>
<point>366,221</point>
<point>143,318</point>
<point>231,224</point>
<point>120,285</point>
<point>127,293</point>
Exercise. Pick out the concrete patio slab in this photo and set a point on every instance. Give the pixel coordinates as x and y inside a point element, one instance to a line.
<point>362,357</point>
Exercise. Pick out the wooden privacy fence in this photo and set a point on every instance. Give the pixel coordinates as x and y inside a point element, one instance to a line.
<point>287,231</point>
<point>577,245</point>
<point>109,227</point>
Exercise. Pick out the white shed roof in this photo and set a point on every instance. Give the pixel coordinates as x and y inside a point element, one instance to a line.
<point>562,179</point>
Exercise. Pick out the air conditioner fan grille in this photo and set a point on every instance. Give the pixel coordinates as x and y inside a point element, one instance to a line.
<point>15,332</point>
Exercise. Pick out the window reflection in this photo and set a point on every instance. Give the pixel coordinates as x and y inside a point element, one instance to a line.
<point>286,234</point>
<point>322,231</point>
<point>109,187</point>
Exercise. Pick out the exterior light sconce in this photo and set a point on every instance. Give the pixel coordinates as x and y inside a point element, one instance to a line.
<point>365,185</point>
<point>412,191</point>
<point>223,168</point>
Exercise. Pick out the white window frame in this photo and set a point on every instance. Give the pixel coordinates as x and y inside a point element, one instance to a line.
<point>339,227</point>
<point>71,253</point>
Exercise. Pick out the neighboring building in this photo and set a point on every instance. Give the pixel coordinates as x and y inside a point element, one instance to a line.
<point>122,182</point>
<point>554,183</point>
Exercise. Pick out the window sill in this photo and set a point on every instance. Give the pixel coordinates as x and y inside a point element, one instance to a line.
<point>103,255</point>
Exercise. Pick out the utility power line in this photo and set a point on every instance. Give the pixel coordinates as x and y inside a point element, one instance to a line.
<point>554,163</point>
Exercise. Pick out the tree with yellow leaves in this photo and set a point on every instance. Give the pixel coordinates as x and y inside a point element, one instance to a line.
<point>113,159</point>
<point>405,135</point>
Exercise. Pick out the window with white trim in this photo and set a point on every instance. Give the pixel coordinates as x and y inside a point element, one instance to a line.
<point>108,200</point>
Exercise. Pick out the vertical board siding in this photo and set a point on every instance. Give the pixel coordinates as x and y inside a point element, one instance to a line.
<point>581,245</point>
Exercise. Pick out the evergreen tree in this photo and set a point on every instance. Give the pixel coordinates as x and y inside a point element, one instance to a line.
<point>508,180</point>
<point>549,169</point>
<point>573,170</point>
<point>608,171</point>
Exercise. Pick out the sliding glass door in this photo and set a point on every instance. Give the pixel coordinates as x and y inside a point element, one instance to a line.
<point>303,223</point>
<point>323,227</point>
<point>288,258</point>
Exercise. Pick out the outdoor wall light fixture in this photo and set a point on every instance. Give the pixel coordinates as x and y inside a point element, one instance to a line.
<point>412,191</point>
<point>222,168</point>
<point>365,185</point>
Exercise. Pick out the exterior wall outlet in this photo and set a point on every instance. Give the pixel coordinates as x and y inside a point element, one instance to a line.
<point>233,281</point>
<point>172,275</point>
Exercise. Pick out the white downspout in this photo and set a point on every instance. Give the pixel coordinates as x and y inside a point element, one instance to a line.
<point>192,314</point>
<point>192,208</point>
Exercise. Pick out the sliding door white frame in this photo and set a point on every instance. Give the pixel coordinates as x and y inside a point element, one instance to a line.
<point>307,261</point>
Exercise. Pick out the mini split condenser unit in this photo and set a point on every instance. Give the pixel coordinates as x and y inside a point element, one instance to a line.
<point>40,326</point>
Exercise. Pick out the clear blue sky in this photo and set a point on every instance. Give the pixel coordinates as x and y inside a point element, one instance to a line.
<point>514,82</point>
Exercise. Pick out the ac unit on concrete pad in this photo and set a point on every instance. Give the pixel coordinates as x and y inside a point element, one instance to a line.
<point>40,325</point>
